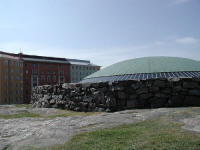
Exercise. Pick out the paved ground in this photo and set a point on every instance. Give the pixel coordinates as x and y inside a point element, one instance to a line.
<point>38,132</point>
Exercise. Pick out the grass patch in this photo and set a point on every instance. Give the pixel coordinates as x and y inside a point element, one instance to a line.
<point>57,113</point>
<point>148,135</point>
<point>19,115</point>
<point>23,105</point>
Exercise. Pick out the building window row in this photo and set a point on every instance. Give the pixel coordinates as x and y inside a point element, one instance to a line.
<point>83,68</point>
<point>11,62</point>
<point>42,66</point>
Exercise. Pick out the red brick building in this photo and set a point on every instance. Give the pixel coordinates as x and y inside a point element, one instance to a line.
<point>40,70</point>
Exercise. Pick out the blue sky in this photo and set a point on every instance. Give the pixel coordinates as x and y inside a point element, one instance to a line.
<point>103,31</point>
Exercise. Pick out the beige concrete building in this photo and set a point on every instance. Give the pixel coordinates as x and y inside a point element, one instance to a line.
<point>11,79</point>
<point>80,69</point>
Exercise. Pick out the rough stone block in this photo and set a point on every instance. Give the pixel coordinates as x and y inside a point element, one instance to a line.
<point>177,88</point>
<point>121,95</point>
<point>194,92</point>
<point>159,83</point>
<point>157,102</point>
<point>145,96</point>
<point>190,84</point>
<point>175,101</point>
<point>133,96</point>
<point>154,89</point>
<point>142,91</point>
<point>192,101</point>
<point>131,104</point>
<point>135,86</point>
<point>162,95</point>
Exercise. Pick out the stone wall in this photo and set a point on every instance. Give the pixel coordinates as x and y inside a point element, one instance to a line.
<point>151,93</point>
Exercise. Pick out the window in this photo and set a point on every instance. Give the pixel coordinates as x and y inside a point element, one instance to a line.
<point>42,66</point>
<point>42,78</point>
<point>48,78</point>
<point>34,78</point>
<point>26,77</point>
<point>34,65</point>
<point>6,93</point>
<point>61,79</point>
<point>54,78</point>
<point>61,72</point>
<point>5,62</point>
<point>17,78</point>
<point>34,71</point>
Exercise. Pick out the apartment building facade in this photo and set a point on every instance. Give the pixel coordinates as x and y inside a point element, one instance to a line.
<point>81,68</point>
<point>11,79</point>
<point>40,70</point>
<point>19,73</point>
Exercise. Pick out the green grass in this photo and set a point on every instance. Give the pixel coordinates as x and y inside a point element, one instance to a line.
<point>146,135</point>
<point>58,113</point>
<point>19,115</point>
<point>23,105</point>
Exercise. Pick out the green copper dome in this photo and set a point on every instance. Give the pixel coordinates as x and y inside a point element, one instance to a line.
<point>157,64</point>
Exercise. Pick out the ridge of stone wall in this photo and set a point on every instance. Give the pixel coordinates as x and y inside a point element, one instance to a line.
<point>105,96</point>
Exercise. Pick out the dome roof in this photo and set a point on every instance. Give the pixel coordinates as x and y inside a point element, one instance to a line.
<point>148,65</point>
